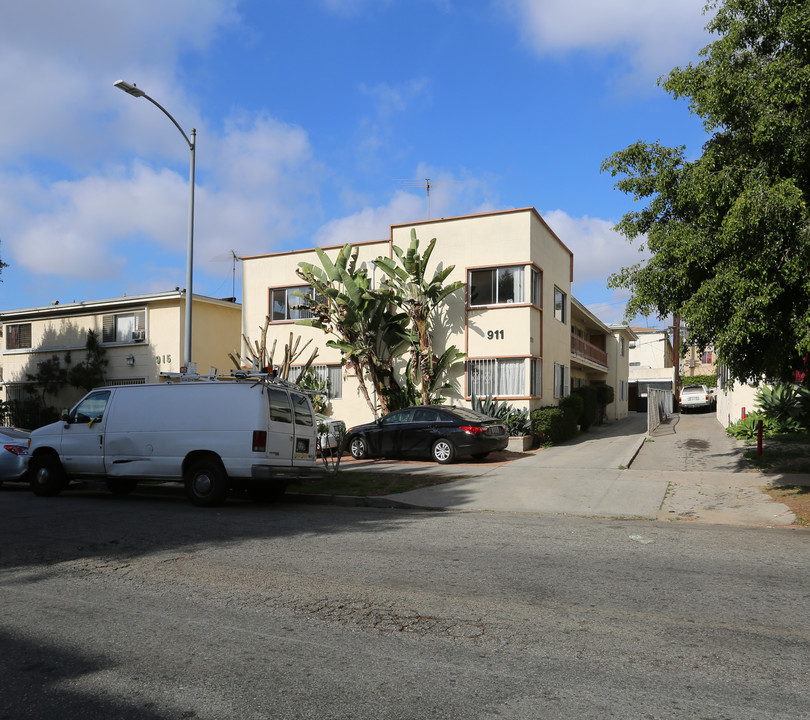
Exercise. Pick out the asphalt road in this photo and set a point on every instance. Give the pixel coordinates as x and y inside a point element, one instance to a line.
<point>150,608</point>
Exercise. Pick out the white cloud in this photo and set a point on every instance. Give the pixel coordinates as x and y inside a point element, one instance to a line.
<point>58,60</point>
<point>370,223</point>
<point>659,34</point>
<point>598,249</point>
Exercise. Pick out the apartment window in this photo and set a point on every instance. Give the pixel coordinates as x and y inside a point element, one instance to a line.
<point>561,376</point>
<point>332,375</point>
<point>622,390</point>
<point>537,288</point>
<point>18,337</point>
<point>287,303</point>
<point>496,286</point>
<point>536,389</point>
<point>707,358</point>
<point>124,327</point>
<point>621,342</point>
<point>560,305</point>
<point>497,377</point>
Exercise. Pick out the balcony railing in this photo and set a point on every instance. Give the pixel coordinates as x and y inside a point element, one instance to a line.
<point>588,351</point>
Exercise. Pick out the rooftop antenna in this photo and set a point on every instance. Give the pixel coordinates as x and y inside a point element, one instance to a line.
<point>427,184</point>
<point>234,258</point>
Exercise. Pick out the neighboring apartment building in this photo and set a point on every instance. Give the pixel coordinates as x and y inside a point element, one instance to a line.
<point>143,335</point>
<point>652,365</point>
<point>512,319</point>
<point>697,362</point>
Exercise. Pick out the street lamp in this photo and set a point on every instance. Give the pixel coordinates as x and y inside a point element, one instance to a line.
<point>192,145</point>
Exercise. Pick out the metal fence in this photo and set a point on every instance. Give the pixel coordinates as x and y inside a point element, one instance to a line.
<point>659,407</point>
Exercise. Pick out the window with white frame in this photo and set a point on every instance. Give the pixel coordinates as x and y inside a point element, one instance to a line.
<point>287,303</point>
<point>560,305</point>
<point>332,377</point>
<point>499,377</point>
<point>496,286</point>
<point>125,327</point>
<point>561,375</point>
<point>18,337</point>
<point>622,390</point>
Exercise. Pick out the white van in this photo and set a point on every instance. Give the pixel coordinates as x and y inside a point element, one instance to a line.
<point>211,434</point>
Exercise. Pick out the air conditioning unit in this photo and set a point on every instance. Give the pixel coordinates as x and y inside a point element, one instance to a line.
<point>138,336</point>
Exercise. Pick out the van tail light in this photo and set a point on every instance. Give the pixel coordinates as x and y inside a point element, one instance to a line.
<point>472,429</point>
<point>259,440</point>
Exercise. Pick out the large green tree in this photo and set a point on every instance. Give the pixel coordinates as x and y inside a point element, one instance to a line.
<point>729,232</point>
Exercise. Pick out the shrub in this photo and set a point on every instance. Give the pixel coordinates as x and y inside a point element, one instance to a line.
<point>572,405</point>
<point>746,429</point>
<point>604,395</point>
<point>588,416</point>
<point>553,425</point>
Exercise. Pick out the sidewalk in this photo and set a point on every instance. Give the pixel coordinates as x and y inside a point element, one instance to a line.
<point>689,470</point>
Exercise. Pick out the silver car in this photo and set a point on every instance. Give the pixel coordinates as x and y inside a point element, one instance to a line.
<point>13,454</point>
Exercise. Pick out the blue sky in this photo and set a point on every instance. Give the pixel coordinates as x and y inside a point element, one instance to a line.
<point>317,122</point>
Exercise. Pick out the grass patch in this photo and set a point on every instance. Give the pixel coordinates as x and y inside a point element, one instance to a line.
<point>365,484</point>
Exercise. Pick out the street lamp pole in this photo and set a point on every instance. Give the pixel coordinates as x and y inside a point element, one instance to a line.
<point>192,145</point>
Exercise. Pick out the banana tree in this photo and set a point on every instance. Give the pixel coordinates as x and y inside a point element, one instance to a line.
<point>365,328</point>
<point>407,287</point>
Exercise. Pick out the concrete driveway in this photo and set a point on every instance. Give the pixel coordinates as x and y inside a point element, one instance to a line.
<point>690,470</point>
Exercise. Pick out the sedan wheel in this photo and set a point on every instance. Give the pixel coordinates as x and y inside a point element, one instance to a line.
<point>443,451</point>
<point>358,448</point>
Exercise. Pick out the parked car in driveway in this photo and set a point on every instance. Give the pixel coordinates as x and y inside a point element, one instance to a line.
<point>13,454</point>
<point>330,432</point>
<point>696,397</point>
<point>429,431</point>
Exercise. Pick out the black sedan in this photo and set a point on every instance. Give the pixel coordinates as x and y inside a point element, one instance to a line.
<point>434,431</point>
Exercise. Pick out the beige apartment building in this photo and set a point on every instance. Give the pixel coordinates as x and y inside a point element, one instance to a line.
<point>143,335</point>
<point>513,318</point>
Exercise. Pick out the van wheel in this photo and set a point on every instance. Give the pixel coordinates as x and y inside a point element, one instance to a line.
<point>207,483</point>
<point>47,477</point>
<point>121,486</point>
<point>358,447</point>
<point>443,451</point>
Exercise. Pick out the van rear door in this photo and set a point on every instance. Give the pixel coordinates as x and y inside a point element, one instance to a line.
<point>281,432</point>
<point>83,436</point>
<point>304,427</point>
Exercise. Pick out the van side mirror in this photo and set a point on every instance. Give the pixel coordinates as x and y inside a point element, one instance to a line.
<point>65,415</point>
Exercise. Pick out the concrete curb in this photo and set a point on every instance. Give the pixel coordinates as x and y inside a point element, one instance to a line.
<point>639,443</point>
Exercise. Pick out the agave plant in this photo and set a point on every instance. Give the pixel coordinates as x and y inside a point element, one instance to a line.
<point>517,421</point>
<point>780,402</point>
